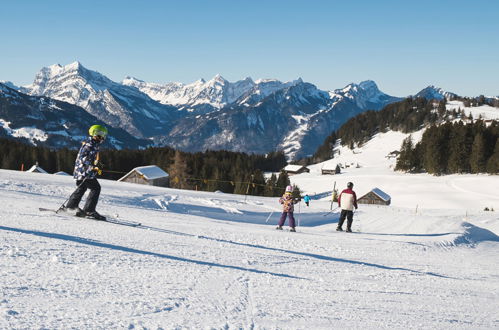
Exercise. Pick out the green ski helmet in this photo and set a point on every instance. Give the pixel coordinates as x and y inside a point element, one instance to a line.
<point>97,130</point>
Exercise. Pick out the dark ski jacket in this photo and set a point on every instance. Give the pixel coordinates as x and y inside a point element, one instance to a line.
<point>85,161</point>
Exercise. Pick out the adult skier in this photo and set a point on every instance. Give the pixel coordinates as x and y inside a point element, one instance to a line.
<point>287,200</point>
<point>306,199</point>
<point>85,172</point>
<point>347,200</point>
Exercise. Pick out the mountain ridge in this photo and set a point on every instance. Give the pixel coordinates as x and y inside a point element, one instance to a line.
<point>254,116</point>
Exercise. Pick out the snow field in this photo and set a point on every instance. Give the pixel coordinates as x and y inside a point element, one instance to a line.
<point>209,261</point>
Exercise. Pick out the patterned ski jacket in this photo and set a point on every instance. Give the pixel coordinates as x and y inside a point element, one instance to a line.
<point>347,200</point>
<point>288,202</point>
<point>84,165</point>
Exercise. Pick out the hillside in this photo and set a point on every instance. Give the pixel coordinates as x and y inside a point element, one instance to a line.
<point>210,260</point>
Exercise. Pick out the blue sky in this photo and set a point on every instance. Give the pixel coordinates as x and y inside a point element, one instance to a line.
<point>403,46</point>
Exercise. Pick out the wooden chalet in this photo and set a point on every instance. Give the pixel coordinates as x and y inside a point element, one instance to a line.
<point>375,196</point>
<point>296,169</point>
<point>150,175</point>
<point>36,169</point>
<point>330,169</point>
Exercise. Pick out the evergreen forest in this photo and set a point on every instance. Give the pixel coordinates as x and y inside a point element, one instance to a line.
<point>229,172</point>
<point>453,142</point>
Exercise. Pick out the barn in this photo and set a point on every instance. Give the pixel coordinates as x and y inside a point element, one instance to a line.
<point>375,196</point>
<point>330,169</point>
<point>150,175</point>
<point>296,169</point>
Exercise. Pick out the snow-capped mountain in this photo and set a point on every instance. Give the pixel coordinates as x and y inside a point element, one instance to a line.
<point>296,118</point>
<point>9,84</point>
<point>45,121</point>
<point>204,96</point>
<point>113,103</point>
<point>254,116</point>
<point>436,93</point>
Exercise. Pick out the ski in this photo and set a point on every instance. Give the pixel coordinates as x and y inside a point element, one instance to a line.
<point>108,219</point>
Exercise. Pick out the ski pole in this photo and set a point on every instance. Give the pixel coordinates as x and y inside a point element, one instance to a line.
<point>78,186</point>
<point>299,213</point>
<point>269,216</point>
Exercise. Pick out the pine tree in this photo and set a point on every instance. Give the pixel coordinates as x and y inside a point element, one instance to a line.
<point>270,186</point>
<point>282,183</point>
<point>178,171</point>
<point>459,149</point>
<point>477,158</point>
<point>404,161</point>
<point>493,161</point>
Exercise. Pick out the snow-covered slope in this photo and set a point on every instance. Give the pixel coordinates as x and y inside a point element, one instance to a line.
<point>486,112</point>
<point>208,260</point>
<point>371,167</point>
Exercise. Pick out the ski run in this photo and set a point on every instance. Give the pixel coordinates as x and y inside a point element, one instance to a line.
<point>204,260</point>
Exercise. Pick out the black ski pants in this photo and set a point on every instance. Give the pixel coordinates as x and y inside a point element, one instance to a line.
<point>92,198</point>
<point>346,214</point>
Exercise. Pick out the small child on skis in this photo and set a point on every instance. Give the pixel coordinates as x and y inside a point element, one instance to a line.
<point>287,200</point>
<point>85,173</point>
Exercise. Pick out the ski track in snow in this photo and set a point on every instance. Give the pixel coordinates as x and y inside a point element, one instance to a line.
<point>209,261</point>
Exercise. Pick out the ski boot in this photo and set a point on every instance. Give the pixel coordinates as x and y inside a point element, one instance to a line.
<point>292,229</point>
<point>278,228</point>
<point>349,230</point>
<point>94,215</point>
<point>339,229</point>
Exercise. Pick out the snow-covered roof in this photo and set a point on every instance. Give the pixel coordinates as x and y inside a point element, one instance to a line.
<point>62,173</point>
<point>293,168</point>
<point>329,167</point>
<point>381,194</point>
<point>149,172</point>
<point>36,168</point>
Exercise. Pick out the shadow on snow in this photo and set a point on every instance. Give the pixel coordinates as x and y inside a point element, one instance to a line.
<point>82,240</point>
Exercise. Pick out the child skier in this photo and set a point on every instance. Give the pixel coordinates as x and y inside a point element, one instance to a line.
<point>85,173</point>
<point>347,201</point>
<point>287,202</point>
<point>306,199</point>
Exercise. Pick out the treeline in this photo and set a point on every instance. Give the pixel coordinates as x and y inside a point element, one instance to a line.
<point>408,115</point>
<point>453,148</point>
<point>478,101</point>
<point>230,172</point>
<point>405,116</point>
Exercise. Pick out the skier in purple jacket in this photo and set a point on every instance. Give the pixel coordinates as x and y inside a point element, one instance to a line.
<point>287,200</point>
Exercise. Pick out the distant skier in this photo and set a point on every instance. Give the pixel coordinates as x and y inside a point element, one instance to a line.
<point>85,172</point>
<point>306,199</point>
<point>287,200</point>
<point>347,201</point>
